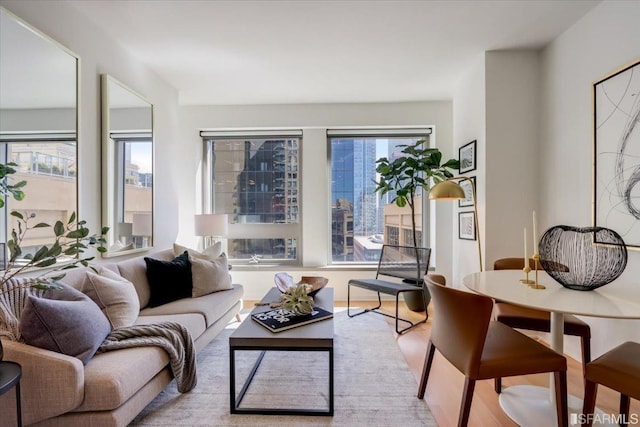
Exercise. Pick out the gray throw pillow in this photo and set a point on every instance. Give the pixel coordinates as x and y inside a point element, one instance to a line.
<point>65,321</point>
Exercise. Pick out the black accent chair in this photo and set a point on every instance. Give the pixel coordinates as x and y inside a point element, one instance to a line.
<point>406,263</point>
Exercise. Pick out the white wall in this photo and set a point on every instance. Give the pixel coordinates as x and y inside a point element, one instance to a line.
<point>469,124</point>
<point>606,39</point>
<point>314,119</point>
<point>512,107</point>
<point>99,54</point>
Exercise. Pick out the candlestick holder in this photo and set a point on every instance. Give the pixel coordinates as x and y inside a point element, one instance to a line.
<point>526,280</point>
<point>536,285</point>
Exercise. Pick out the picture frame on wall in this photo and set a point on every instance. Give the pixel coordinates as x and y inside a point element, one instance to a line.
<point>466,226</point>
<point>616,153</point>
<point>467,187</point>
<point>467,157</point>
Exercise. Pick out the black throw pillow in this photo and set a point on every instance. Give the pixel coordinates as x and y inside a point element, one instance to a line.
<point>169,280</point>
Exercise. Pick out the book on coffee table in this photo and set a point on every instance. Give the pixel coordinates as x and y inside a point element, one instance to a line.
<point>281,319</point>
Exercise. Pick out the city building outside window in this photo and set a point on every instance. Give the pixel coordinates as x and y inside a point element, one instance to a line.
<point>48,164</point>
<point>254,177</point>
<point>362,221</point>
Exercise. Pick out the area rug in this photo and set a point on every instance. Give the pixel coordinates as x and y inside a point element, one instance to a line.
<point>373,385</point>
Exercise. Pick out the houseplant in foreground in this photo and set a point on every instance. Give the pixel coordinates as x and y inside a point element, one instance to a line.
<point>69,243</point>
<point>404,177</point>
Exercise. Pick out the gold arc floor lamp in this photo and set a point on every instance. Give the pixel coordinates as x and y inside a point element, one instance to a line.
<point>451,190</point>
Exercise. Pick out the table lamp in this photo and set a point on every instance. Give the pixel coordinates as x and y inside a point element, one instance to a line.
<point>451,190</point>
<point>210,226</point>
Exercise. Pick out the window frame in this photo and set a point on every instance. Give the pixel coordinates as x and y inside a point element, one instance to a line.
<point>254,230</point>
<point>426,131</point>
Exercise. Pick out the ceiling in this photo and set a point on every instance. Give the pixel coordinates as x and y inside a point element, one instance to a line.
<point>275,52</point>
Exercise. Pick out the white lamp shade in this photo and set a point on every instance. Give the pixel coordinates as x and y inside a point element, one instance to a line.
<point>142,224</point>
<point>211,225</point>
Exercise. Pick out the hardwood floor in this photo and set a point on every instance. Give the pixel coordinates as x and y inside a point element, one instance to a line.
<point>444,389</point>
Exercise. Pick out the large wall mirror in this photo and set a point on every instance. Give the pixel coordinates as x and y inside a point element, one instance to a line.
<point>127,177</point>
<point>38,128</point>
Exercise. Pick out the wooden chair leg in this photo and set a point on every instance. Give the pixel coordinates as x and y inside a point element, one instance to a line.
<point>428,360</point>
<point>586,354</point>
<point>624,408</point>
<point>465,405</point>
<point>497,385</point>
<point>561,398</point>
<point>589,405</point>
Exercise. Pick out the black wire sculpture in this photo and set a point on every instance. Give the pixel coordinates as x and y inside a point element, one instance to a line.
<point>569,255</point>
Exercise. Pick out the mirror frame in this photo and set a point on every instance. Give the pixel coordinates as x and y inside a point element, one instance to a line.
<point>108,174</point>
<point>73,56</point>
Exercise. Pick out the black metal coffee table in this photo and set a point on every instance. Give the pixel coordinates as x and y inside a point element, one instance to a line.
<point>251,336</point>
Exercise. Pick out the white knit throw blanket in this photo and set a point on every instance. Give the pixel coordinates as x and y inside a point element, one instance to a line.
<point>172,337</point>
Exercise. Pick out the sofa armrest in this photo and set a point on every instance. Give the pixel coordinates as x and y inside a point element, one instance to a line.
<point>51,384</point>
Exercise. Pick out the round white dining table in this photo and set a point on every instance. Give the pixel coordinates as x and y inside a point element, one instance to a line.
<point>531,405</point>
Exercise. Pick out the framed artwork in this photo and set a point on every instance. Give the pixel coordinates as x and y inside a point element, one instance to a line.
<point>466,226</point>
<point>616,153</point>
<point>466,186</point>
<point>467,157</point>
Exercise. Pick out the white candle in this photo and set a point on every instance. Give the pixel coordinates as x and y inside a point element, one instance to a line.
<point>535,233</point>
<point>526,260</point>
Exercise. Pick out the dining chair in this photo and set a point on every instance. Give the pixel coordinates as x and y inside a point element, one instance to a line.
<point>480,348</point>
<point>537,320</point>
<point>618,369</point>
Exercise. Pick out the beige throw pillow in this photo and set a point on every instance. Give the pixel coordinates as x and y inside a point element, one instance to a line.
<point>212,253</point>
<point>209,276</point>
<point>115,295</point>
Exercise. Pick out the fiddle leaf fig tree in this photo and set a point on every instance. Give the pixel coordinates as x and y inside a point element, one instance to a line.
<point>416,169</point>
<point>70,239</point>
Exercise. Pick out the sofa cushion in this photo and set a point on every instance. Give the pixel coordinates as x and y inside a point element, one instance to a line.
<point>194,322</point>
<point>115,296</point>
<point>65,321</point>
<point>169,280</point>
<point>211,253</point>
<point>135,271</point>
<point>211,306</point>
<point>113,377</point>
<point>209,276</point>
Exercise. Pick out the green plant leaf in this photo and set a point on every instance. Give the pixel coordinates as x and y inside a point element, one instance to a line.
<point>58,228</point>
<point>104,230</point>
<point>78,234</point>
<point>46,262</point>
<point>16,214</point>
<point>41,225</point>
<point>72,218</point>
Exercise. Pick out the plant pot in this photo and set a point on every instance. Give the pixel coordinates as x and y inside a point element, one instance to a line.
<point>414,300</point>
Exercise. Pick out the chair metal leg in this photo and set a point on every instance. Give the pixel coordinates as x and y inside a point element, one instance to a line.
<point>428,360</point>
<point>366,310</point>
<point>561,398</point>
<point>465,405</point>
<point>497,385</point>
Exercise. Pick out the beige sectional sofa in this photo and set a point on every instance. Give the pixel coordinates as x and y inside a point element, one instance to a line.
<point>113,387</point>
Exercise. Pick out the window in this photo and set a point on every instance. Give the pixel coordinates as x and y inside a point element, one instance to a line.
<point>133,154</point>
<point>48,164</point>
<point>254,177</point>
<point>361,222</point>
